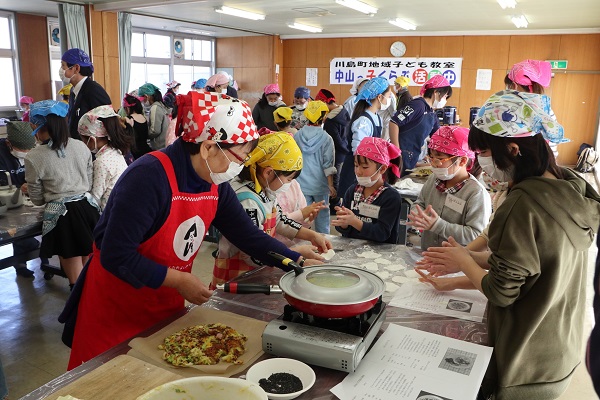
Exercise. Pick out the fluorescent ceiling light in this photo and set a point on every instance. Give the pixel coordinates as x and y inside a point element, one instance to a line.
<point>403,24</point>
<point>507,3</point>
<point>358,6</point>
<point>239,13</point>
<point>192,30</point>
<point>307,28</point>
<point>520,21</point>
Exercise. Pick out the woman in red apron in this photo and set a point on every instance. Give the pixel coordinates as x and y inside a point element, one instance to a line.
<point>155,220</point>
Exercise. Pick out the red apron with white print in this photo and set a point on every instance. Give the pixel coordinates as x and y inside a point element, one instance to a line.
<point>110,309</point>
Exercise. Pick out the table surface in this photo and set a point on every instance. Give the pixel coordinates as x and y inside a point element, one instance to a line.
<point>267,308</point>
<point>20,222</point>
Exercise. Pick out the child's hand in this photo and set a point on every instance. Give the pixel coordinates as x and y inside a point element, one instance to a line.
<point>311,211</point>
<point>332,191</point>
<point>344,217</point>
<point>422,219</point>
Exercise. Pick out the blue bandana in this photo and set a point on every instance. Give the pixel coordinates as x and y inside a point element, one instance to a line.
<point>40,110</point>
<point>77,56</point>
<point>372,89</point>
<point>302,92</point>
<point>200,83</point>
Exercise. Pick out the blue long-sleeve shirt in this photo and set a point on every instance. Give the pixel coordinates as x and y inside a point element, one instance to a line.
<point>139,205</point>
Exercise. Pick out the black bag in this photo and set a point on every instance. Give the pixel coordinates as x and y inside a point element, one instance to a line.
<point>588,157</point>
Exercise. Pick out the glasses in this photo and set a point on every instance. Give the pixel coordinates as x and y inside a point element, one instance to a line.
<point>237,157</point>
<point>438,161</point>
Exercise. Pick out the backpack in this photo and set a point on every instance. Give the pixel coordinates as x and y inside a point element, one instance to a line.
<point>588,157</point>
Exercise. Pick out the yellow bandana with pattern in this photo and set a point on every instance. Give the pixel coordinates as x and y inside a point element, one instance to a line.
<point>276,150</point>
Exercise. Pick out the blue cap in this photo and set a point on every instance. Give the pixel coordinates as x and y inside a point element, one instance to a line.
<point>40,110</point>
<point>302,92</point>
<point>77,56</point>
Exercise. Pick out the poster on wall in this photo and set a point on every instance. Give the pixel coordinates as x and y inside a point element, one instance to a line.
<point>312,76</point>
<point>344,71</point>
<point>53,33</point>
<point>178,48</point>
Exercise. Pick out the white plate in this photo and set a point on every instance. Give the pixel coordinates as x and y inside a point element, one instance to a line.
<point>206,387</point>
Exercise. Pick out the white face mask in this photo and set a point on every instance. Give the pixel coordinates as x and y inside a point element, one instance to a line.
<point>301,106</point>
<point>489,167</point>
<point>63,78</point>
<point>18,154</point>
<point>273,103</point>
<point>224,91</point>
<point>366,180</point>
<point>442,173</point>
<point>440,104</point>
<point>282,189</point>
<point>385,106</point>
<point>233,170</point>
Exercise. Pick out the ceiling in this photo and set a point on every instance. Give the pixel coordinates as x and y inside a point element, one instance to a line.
<point>432,17</point>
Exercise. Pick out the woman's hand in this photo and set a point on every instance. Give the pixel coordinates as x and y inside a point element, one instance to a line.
<point>344,217</point>
<point>308,252</point>
<point>312,262</point>
<point>452,256</point>
<point>445,284</point>
<point>24,188</point>
<point>189,286</point>
<point>422,219</point>
<point>311,211</point>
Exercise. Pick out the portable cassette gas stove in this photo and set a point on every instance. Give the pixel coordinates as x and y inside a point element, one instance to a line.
<point>336,343</point>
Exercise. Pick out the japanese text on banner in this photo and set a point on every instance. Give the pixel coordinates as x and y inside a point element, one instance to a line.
<point>344,71</point>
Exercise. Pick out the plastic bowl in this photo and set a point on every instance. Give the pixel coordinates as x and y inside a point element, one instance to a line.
<point>264,369</point>
<point>206,387</point>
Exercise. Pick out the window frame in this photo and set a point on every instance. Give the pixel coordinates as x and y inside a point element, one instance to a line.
<point>12,53</point>
<point>172,61</point>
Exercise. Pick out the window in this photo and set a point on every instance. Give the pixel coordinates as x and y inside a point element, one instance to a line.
<point>8,63</point>
<point>153,59</point>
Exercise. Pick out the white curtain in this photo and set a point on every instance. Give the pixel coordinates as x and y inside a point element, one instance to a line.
<point>74,17</point>
<point>124,50</point>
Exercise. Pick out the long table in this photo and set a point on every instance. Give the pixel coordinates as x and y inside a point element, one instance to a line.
<point>267,308</point>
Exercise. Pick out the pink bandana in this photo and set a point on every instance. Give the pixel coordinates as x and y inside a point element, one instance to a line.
<point>529,71</point>
<point>436,81</point>
<point>272,88</point>
<point>214,116</point>
<point>452,140</point>
<point>217,79</point>
<point>379,150</point>
<point>26,100</point>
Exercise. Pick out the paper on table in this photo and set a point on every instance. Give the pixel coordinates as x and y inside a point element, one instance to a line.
<point>462,304</point>
<point>408,364</point>
<point>147,349</point>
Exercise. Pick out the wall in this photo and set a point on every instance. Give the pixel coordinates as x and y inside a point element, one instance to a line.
<point>253,59</point>
<point>34,56</point>
<point>103,32</point>
<point>574,93</point>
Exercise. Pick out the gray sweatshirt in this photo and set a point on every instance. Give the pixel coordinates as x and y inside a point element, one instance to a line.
<point>464,226</point>
<point>50,177</point>
<point>158,123</point>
